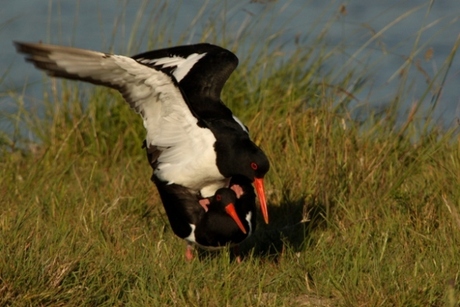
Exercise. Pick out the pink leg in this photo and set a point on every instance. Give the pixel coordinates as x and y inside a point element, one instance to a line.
<point>189,252</point>
<point>204,202</point>
<point>237,189</point>
<point>236,251</point>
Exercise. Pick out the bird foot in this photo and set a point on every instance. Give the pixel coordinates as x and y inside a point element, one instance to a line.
<point>237,189</point>
<point>204,202</point>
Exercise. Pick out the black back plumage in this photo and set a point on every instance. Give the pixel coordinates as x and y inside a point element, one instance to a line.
<point>181,206</point>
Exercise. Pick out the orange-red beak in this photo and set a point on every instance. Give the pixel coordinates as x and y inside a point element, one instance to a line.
<point>230,209</point>
<point>259,184</point>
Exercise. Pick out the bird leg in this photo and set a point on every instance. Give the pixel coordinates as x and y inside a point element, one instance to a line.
<point>189,252</point>
<point>236,252</point>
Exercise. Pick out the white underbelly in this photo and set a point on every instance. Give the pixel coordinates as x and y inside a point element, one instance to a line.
<point>199,173</point>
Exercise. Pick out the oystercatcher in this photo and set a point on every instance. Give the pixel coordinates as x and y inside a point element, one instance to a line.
<point>229,218</point>
<point>194,139</point>
<point>202,85</point>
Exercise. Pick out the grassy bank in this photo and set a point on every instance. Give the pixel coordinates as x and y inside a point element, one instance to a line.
<point>363,212</point>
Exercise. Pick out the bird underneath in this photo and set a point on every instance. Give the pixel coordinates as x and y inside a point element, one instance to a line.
<point>228,219</point>
<point>216,229</point>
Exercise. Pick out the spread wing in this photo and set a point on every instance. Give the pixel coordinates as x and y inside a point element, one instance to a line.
<point>171,126</point>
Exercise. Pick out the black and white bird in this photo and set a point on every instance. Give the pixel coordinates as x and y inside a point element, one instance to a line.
<point>193,139</point>
<point>229,218</point>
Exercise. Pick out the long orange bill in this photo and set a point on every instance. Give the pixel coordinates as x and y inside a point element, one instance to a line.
<point>259,184</point>
<point>230,209</point>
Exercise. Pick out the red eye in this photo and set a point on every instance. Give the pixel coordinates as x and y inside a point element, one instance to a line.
<point>218,197</point>
<point>254,166</point>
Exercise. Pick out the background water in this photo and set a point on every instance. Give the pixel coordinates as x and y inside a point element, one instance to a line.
<point>107,25</point>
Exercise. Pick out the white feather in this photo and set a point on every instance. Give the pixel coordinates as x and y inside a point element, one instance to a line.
<point>183,69</point>
<point>241,124</point>
<point>191,237</point>
<point>248,218</point>
<point>188,156</point>
<point>183,65</point>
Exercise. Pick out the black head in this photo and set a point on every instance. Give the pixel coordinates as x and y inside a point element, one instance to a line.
<point>222,198</point>
<point>224,202</point>
<point>244,158</point>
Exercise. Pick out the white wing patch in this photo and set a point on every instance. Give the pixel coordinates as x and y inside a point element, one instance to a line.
<point>241,124</point>
<point>183,65</point>
<point>248,218</point>
<point>191,237</point>
<point>164,62</point>
<point>183,69</point>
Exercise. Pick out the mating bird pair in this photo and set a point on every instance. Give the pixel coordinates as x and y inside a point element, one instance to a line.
<point>203,161</point>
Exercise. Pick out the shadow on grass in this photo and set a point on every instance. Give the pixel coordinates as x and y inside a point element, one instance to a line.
<point>291,223</point>
<point>290,226</point>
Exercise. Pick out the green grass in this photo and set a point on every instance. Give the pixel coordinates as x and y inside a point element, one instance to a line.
<point>362,212</point>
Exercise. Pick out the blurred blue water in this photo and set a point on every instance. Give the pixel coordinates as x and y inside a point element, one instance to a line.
<point>107,25</point>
